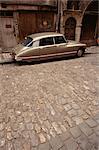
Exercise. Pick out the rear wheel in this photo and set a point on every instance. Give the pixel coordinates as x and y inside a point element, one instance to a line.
<point>80,52</point>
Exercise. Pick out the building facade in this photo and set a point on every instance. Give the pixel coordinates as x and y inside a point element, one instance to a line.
<point>21,18</point>
<point>77,20</point>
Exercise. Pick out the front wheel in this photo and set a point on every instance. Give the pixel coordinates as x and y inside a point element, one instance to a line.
<point>80,52</point>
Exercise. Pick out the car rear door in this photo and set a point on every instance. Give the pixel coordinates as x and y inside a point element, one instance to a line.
<point>46,46</point>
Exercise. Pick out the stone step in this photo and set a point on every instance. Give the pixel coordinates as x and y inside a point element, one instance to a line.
<point>5,57</point>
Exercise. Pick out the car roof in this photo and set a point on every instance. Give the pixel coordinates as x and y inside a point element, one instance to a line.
<point>38,36</point>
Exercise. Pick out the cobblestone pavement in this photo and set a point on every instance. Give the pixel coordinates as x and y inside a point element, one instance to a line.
<point>52,105</point>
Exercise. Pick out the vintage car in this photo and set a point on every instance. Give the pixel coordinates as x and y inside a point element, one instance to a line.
<point>46,45</point>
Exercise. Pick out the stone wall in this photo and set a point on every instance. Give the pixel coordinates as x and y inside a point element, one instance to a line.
<point>34,2</point>
<point>1,42</point>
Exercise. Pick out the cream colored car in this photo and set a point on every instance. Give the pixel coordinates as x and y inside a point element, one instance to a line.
<point>45,46</point>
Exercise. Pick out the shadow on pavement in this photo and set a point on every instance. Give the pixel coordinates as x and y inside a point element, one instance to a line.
<point>46,61</point>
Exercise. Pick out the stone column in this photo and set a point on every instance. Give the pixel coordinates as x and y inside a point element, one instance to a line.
<point>58,15</point>
<point>78,32</point>
<point>62,25</point>
<point>62,19</point>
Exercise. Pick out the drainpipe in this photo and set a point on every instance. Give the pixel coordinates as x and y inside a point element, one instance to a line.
<point>58,15</point>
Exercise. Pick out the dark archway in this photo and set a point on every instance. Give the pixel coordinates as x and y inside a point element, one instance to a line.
<point>70,26</point>
<point>89,30</point>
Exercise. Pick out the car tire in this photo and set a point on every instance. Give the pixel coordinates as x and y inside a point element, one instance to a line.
<point>80,52</point>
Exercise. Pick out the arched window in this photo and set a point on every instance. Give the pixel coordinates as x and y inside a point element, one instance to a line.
<point>73,4</point>
<point>70,26</point>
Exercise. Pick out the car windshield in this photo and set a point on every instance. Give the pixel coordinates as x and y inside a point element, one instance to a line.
<point>27,41</point>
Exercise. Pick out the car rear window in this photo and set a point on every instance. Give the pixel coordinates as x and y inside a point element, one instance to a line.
<point>59,40</point>
<point>46,41</point>
<point>28,41</point>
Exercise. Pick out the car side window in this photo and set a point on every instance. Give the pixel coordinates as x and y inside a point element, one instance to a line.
<point>36,43</point>
<point>46,41</point>
<point>59,40</point>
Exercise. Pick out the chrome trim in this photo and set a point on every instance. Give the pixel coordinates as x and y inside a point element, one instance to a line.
<point>43,56</point>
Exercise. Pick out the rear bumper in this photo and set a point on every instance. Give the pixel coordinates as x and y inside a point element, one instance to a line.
<point>12,55</point>
<point>18,58</point>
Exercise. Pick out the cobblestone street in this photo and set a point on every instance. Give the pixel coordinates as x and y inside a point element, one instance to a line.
<point>50,105</point>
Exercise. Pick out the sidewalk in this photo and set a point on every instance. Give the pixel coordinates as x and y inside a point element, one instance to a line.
<point>5,57</point>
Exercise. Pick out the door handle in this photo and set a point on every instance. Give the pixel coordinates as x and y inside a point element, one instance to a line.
<point>59,46</point>
<point>41,47</point>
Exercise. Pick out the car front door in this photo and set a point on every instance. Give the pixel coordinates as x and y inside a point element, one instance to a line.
<point>62,46</point>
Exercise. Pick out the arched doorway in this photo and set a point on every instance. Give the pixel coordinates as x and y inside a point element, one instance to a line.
<point>70,26</point>
<point>89,30</point>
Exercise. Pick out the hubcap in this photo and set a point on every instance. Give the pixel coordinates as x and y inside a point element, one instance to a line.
<point>80,52</point>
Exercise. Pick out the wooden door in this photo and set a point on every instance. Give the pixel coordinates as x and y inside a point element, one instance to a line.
<point>70,26</point>
<point>27,24</point>
<point>88,29</point>
<point>8,32</point>
<point>33,22</point>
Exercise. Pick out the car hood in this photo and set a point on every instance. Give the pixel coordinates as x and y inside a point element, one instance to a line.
<point>71,42</point>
